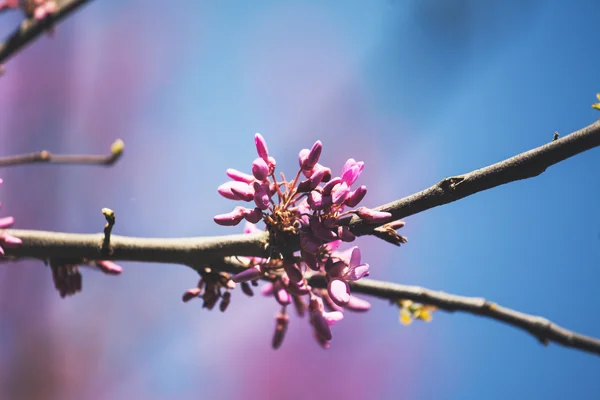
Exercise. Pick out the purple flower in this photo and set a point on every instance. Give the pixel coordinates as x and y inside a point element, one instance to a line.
<point>341,272</point>
<point>322,320</point>
<point>313,209</point>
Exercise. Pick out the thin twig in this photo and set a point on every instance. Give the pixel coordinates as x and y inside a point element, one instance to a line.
<point>522,166</point>
<point>46,157</point>
<point>31,28</point>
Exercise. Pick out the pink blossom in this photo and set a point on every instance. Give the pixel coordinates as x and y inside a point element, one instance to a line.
<point>341,272</point>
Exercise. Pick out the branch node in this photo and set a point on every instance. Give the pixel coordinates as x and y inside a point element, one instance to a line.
<point>110,222</point>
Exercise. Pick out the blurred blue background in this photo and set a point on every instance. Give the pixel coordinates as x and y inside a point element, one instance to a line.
<point>418,89</point>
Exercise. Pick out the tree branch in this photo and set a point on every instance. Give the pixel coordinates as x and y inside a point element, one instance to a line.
<point>214,251</point>
<point>44,245</point>
<point>31,28</point>
<point>522,166</point>
<point>197,252</point>
<point>46,157</point>
<point>541,328</point>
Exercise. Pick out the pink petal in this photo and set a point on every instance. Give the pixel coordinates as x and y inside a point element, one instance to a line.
<point>339,291</point>
<point>354,257</point>
<point>339,193</point>
<point>330,185</point>
<point>358,272</point>
<point>333,317</point>
<point>357,304</point>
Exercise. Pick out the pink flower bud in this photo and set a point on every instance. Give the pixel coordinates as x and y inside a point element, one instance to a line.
<point>235,190</point>
<point>345,234</point>
<point>329,186</point>
<point>309,243</point>
<point>293,271</point>
<point>372,216</point>
<point>109,267</point>
<point>260,169</point>
<point>253,215</point>
<point>339,193</point>
<point>6,222</point>
<point>318,319</point>
<point>302,156</point>
<point>281,295</point>
<point>262,197</point>
<point>281,325</point>
<point>320,231</point>
<point>310,260</point>
<point>239,176</point>
<point>190,294</point>
<point>247,289</point>
<point>261,147</point>
<point>231,219</point>
<point>248,274</point>
<point>356,196</point>
<point>313,156</point>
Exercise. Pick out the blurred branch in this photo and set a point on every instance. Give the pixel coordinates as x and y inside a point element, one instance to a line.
<point>48,158</point>
<point>31,28</point>
<point>522,166</point>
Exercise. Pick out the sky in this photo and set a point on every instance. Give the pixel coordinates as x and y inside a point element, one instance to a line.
<point>419,90</point>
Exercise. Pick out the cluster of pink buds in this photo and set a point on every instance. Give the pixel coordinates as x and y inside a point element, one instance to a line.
<point>37,9</point>
<point>316,207</point>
